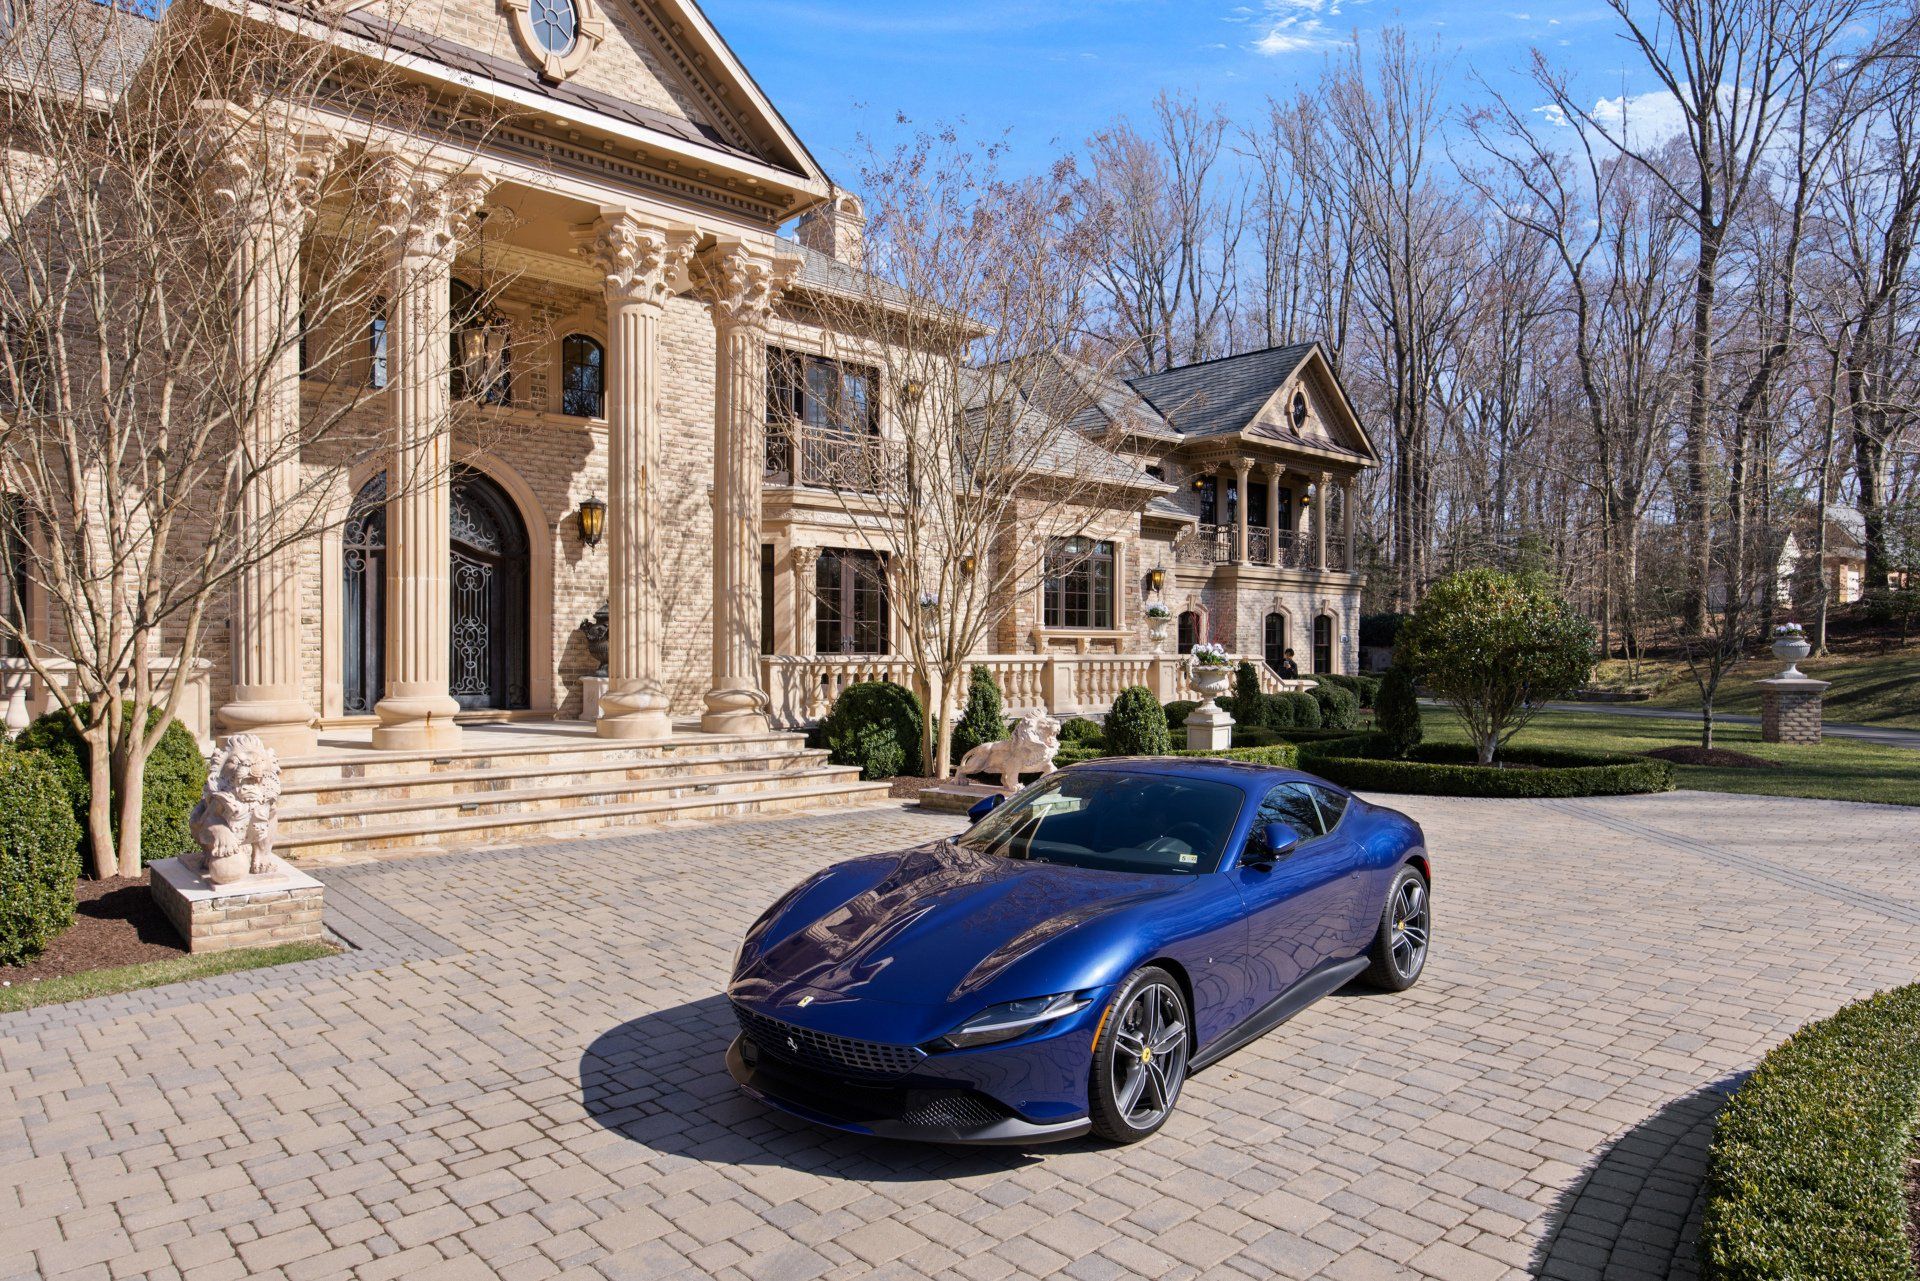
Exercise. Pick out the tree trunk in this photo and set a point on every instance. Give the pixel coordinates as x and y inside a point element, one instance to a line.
<point>132,779</point>
<point>106,860</point>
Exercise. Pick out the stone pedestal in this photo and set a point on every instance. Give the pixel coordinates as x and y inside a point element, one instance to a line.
<point>1209,729</point>
<point>261,911</point>
<point>956,796</point>
<point>1791,709</point>
<point>593,689</point>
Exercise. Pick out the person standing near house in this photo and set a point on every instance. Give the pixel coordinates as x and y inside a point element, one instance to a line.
<point>1289,669</point>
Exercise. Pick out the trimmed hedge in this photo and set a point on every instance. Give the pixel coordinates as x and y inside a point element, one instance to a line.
<point>1339,706</point>
<point>1282,755</point>
<point>1178,711</point>
<point>1362,763</point>
<point>1364,688</point>
<point>985,718</point>
<point>876,726</point>
<point>39,856</point>
<point>176,774</point>
<point>1137,726</point>
<point>1083,731</point>
<point>1397,712</point>
<point>1806,1176</point>
<point>1306,710</point>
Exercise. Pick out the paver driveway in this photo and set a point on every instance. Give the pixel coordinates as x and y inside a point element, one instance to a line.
<point>523,1077</point>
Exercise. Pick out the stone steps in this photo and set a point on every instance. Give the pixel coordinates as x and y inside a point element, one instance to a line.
<point>307,795</point>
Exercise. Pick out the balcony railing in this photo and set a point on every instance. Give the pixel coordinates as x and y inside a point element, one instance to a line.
<point>822,458</point>
<point>1205,545</point>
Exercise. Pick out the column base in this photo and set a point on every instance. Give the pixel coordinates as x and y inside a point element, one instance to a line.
<point>633,713</point>
<point>416,723</point>
<point>281,721</point>
<point>736,711</point>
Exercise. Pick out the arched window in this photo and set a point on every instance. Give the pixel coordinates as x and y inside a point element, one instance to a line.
<point>480,360</point>
<point>1189,631</point>
<point>377,345</point>
<point>583,377</point>
<point>1276,640</point>
<point>1323,644</point>
<point>13,575</point>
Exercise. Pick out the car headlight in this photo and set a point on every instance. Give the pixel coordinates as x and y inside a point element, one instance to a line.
<point>999,1023</point>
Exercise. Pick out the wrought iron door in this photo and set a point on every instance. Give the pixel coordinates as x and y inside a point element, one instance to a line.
<point>490,620</point>
<point>364,557</point>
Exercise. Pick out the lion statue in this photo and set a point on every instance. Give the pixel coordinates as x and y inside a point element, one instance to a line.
<point>236,818</point>
<point>1031,750</point>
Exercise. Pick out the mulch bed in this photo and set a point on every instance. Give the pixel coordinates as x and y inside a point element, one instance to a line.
<point>1719,757</point>
<point>117,923</point>
<point>909,789</point>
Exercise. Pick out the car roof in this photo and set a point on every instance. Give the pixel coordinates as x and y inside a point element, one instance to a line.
<point>1245,775</point>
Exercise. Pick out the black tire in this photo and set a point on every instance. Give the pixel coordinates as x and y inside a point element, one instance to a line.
<point>1138,1071</point>
<point>1399,953</point>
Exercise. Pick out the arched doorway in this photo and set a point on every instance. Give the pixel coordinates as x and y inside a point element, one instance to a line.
<point>1276,640</point>
<point>1189,631</point>
<point>489,616</point>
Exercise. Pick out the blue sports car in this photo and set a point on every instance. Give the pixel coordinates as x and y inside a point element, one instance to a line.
<point>1064,964</point>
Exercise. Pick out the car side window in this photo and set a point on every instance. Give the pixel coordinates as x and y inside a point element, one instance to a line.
<point>1333,806</point>
<point>1292,804</point>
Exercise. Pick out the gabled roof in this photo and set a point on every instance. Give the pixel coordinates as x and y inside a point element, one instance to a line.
<point>1221,397</point>
<point>1103,403</point>
<point>92,50</point>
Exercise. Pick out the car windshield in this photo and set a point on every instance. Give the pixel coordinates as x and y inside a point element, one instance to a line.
<point>1114,822</point>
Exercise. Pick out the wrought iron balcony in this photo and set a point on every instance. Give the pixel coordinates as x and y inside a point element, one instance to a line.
<point>824,458</point>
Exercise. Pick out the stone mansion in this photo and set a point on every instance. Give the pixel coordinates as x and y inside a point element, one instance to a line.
<point>635,530</point>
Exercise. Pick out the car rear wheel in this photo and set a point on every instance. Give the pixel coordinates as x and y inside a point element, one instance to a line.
<point>1399,951</point>
<point>1140,1057</point>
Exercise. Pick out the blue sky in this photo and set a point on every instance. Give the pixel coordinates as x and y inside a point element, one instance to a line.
<point>1052,71</point>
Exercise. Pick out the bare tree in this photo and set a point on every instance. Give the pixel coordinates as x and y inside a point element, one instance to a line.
<point>165,311</point>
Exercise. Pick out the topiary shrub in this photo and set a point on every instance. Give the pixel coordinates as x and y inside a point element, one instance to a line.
<point>985,719</point>
<point>39,856</point>
<point>1339,707</point>
<point>1137,726</point>
<point>1806,1174</point>
<point>1367,690</point>
<point>1178,711</point>
<point>1082,732</point>
<point>1397,714</point>
<point>876,726</point>
<point>1277,711</point>
<point>1247,705</point>
<point>1306,710</point>
<point>176,773</point>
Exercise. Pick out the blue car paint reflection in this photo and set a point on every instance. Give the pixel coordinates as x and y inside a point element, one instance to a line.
<point>888,954</point>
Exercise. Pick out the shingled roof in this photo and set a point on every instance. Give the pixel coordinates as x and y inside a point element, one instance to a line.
<point>1220,397</point>
<point>95,51</point>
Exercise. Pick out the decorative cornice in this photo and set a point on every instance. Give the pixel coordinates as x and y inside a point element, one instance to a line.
<point>640,262</point>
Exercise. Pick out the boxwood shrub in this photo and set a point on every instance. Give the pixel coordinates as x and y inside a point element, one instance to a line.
<point>876,726</point>
<point>1362,764</point>
<point>176,773</point>
<point>39,856</point>
<point>1306,710</point>
<point>1137,725</point>
<point>1284,755</point>
<point>1339,706</point>
<point>1178,711</point>
<point>1083,731</point>
<point>1806,1175</point>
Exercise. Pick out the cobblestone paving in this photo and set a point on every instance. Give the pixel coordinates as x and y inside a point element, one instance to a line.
<point>519,1075</point>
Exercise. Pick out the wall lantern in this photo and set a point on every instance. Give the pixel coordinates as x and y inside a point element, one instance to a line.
<point>1306,498</point>
<point>1199,483</point>
<point>914,391</point>
<point>1157,579</point>
<point>593,521</point>
<point>968,565</point>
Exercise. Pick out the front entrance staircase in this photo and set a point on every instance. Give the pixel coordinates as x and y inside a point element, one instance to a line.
<point>523,782</point>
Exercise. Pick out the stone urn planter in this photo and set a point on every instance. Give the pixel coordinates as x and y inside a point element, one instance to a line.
<point>1790,649</point>
<point>1210,682</point>
<point>1209,726</point>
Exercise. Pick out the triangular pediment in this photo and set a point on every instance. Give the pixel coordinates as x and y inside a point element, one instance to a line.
<point>1310,410</point>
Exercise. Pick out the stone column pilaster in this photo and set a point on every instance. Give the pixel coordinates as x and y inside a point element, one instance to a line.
<point>740,284</point>
<point>1351,556</point>
<point>1273,474</point>
<point>806,605</point>
<point>641,263</point>
<point>1243,473</point>
<point>1323,490</point>
<point>268,183</point>
<point>427,213</point>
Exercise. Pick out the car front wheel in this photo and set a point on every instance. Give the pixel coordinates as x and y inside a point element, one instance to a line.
<point>1399,951</point>
<point>1140,1057</point>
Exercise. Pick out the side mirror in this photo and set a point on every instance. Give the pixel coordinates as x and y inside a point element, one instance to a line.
<point>985,807</point>
<point>1270,843</point>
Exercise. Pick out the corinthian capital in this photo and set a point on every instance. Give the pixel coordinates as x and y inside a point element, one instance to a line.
<point>259,172</point>
<point>742,283</point>
<point>426,210</point>
<point>640,261</point>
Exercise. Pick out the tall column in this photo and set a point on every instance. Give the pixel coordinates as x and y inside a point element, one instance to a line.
<point>268,184</point>
<point>1351,558</point>
<point>1323,491</point>
<point>1242,508</point>
<point>427,213</point>
<point>1273,475</point>
<point>641,263</point>
<point>806,606</point>
<point>740,284</point>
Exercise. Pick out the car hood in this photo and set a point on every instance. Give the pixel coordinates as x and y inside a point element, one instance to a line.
<point>942,925</point>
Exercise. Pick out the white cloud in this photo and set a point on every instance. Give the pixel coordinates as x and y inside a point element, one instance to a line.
<point>1641,121</point>
<point>1290,26</point>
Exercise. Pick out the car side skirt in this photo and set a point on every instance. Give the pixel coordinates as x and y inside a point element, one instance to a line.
<point>1329,977</point>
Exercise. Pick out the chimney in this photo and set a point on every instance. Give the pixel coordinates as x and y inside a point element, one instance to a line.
<point>837,229</point>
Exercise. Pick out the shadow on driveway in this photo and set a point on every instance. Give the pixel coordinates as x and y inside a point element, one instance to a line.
<point>661,1081</point>
<point>1635,1214</point>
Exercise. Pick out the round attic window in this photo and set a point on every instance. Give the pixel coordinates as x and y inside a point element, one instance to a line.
<point>1299,410</point>
<point>555,25</point>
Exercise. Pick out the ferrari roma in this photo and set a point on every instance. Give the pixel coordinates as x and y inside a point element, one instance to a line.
<point>1065,964</point>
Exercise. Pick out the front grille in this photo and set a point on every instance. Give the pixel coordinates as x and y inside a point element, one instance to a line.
<point>835,1096</point>
<point>952,1111</point>
<point>823,1050</point>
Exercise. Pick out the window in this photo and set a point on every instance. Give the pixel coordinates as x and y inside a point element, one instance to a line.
<point>1189,631</point>
<point>1114,821</point>
<point>822,393</point>
<point>377,346</point>
<point>766,598</point>
<point>583,377</point>
<point>1284,496</point>
<point>1276,640</point>
<point>1292,804</point>
<point>1299,410</point>
<point>1209,500</point>
<point>1333,805</point>
<point>850,603</point>
<point>480,360</point>
<point>25,365</point>
<point>13,575</point>
<point>1257,505</point>
<point>555,25</point>
<point>1323,644</point>
<point>1079,586</point>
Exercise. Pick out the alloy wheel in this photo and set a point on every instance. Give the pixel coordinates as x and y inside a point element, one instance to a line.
<point>1150,1049</point>
<point>1411,926</point>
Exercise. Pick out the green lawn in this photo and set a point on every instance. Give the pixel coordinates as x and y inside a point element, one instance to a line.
<point>1868,689</point>
<point>129,978</point>
<point>1838,769</point>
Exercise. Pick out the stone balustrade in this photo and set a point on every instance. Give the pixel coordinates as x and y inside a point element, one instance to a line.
<point>28,697</point>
